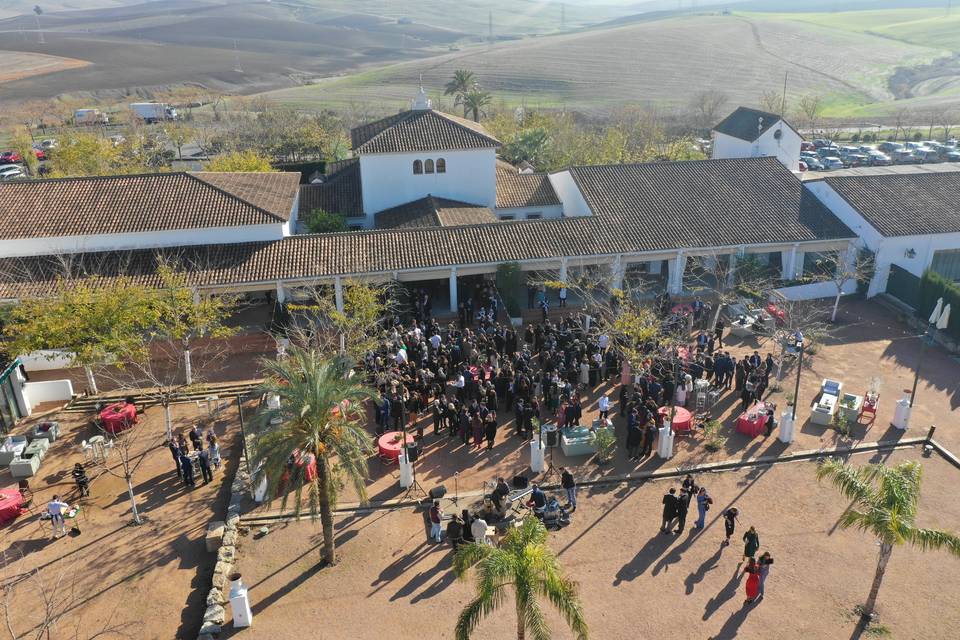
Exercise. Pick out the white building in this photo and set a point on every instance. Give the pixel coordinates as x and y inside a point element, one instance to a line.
<point>749,133</point>
<point>910,219</point>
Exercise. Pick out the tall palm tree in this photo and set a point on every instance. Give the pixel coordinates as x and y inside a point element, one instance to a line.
<point>474,102</point>
<point>459,86</point>
<point>522,561</point>
<point>885,505</point>
<point>313,419</point>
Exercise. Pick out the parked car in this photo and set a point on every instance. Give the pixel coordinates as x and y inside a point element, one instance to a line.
<point>847,150</point>
<point>878,158</point>
<point>40,153</point>
<point>912,146</point>
<point>856,159</point>
<point>814,164</point>
<point>952,156</point>
<point>807,146</point>
<point>10,157</point>
<point>822,142</point>
<point>48,144</point>
<point>889,147</point>
<point>832,162</point>
<point>825,152</point>
<point>802,165</point>
<point>10,172</point>
<point>926,155</point>
<point>904,156</point>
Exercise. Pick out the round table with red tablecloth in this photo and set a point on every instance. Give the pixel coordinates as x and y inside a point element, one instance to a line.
<point>10,501</point>
<point>118,417</point>
<point>682,419</point>
<point>754,426</point>
<point>389,444</point>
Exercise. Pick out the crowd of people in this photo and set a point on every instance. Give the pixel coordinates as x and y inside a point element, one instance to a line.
<point>206,460</point>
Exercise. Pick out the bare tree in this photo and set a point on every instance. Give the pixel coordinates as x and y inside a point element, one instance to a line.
<point>810,107</point>
<point>841,267</point>
<point>771,100</point>
<point>706,106</point>
<point>900,117</point>
<point>46,600</point>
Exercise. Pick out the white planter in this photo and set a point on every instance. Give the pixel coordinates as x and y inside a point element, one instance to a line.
<point>240,602</point>
<point>537,464</point>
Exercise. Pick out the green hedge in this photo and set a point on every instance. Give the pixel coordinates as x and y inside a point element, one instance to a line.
<point>510,286</point>
<point>933,286</point>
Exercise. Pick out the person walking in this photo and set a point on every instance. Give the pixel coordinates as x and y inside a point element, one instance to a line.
<point>753,582</point>
<point>730,523</point>
<point>203,461</point>
<point>718,332</point>
<point>80,477</point>
<point>570,486</point>
<point>670,507</point>
<point>55,508</point>
<point>764,562</point>
<point>751,542</point>
<point>436,517</point>
<point>703,505</point>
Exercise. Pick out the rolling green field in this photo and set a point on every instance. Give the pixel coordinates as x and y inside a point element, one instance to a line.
<point>662,62</point>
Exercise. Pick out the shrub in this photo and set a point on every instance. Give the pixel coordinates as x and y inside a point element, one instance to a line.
<point>713,439</point>
<point>605,442</point>
<point>510,284</point>
<point>319,221</point>
<point>933,286</point>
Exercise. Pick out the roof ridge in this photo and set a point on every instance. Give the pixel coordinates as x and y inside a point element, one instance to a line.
<point>455,120</point>
<point>230,194</point>
<point>115,176</point>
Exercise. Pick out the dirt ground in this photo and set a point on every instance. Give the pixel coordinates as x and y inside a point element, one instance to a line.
<point>869,342</point>
<point>635,582</point>
<point>17,65</point>
<point>153,577</point>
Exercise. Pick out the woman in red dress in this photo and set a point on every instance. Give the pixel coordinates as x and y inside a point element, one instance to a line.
<point>753,581</point>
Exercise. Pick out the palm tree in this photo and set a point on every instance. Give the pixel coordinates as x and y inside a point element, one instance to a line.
<point>524,562</point>
<point>475,100</point>
<point>885,504</point>
<point>313,419</point>
<point>459,87</point>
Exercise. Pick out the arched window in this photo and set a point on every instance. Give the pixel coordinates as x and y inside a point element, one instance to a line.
<point>417,167</point>
<point>428,166</point>
<point>441,166</point>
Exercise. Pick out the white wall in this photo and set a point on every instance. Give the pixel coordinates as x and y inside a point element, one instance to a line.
<point>46,360</point>
<point>816,290</point>
<point>146,240</point>
<point>521,213</point>
<point>47,391</point>
<point>888,250</point>
<point>566,189</point>
<point>388,180</point>
<point>786,150</point>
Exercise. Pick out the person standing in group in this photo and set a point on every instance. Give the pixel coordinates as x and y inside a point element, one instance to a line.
<point>490,428</point>
<point>80,477</point>
<point>436,517</point>
<point>187,466</point>
<point>764,563</point>
<point>195,438</point>
<point>670,507</point>
<point>703,505</point>
<point>751,542</point>
<point>650,434</point>
<point>718,332</point>
<point>634,435</point>
<point>175,452</point>
<point>214,446</point>
<point>753,581</point>
<point>55,508</point>
<point>563,297</point>
<point>683,504</point>
<point>203,461</point>
<point>570,486</point>
<point>603,404</point>
<point>730,523</point>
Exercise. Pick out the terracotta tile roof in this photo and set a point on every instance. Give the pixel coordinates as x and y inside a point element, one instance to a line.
<point>515,189</point>
<point>705,203</point>
<point>274,192</point>
<point>340,192</point>
<point>744,123</point>
<point>433,212</point>
<point>637,208</point>
<point>141,203</point>
<point>420,130</point>
<point>904,204</point>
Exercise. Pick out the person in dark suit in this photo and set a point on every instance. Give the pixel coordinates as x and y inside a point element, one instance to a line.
<point>683,504</point>
<point>186,465</point>
<point>670,507</point>
<point>203,461</point>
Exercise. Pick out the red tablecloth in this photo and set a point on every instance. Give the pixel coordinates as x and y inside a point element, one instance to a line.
<point>118,417</point>
<point>682,419</point>
<point>684,309</point>
<point>389,447</point>
<point>777,313</point>
<point>755,427</point>
<point>10,501</point>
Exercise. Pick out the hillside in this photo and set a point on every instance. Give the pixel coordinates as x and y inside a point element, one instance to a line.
<point>664,62</point>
